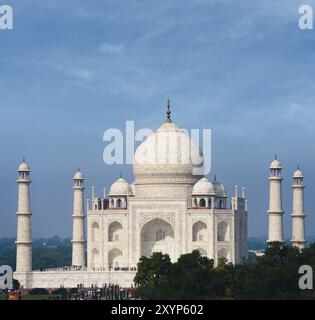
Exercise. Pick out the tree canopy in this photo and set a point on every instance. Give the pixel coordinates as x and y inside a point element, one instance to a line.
<point>272,276</point>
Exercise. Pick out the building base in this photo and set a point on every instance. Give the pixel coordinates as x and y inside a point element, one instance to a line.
<point>71,279</point>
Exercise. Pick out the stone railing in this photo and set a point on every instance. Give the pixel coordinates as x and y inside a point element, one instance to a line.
<point>66,268</point>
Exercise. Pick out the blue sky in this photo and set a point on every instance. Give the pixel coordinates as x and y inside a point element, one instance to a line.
<point>72,69</point>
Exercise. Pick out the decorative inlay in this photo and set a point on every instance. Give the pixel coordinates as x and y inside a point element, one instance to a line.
<point>147,216</point>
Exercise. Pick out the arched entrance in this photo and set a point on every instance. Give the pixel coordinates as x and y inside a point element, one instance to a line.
<point>95,258</point>
<point>199,231</point>
<point>222,231</point>
<point>115,231</point>
<point>95,231</point>
<point>157,236</point>
<point>115,258</point>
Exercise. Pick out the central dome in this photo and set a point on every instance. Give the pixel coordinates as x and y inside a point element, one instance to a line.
<point>168,155</point>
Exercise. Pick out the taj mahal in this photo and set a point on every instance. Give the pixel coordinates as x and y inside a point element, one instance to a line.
<point>167,208</point>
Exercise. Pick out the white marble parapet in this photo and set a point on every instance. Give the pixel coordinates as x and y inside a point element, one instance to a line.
<point>71,279</point>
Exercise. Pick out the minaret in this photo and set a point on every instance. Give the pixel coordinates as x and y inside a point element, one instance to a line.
<point>24,238</point>
<point>78,242</point>
<point>275,211</point>
<point>298,216</point>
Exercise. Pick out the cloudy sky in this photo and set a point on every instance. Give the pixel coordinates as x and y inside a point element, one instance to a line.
<point>72,69</point>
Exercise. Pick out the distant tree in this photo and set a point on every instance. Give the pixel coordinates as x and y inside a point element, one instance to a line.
<point>55,253</point>
<point>7,252</point>
<point>51,257</point>
<point>53,241</point>
<point>16,284</point>
<point>39,291</point>
<point>73,290</point>
<point>62,292</point>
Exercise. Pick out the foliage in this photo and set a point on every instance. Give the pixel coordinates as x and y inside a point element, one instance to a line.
<point>40,297</point>
<point>47,253</point>
<point>256,243</point>
<point>151,274</point>
<point>51,257</point>
<point>38,291</point>
<point>61,292</point>
<point>73,290</point>
<point>272,276</point>
<point>197,272</point>
<point>16,284</point>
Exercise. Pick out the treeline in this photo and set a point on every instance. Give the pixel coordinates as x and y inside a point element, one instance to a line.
<point>47,253</point>
<point>56,252</point>
<point>273,276</point>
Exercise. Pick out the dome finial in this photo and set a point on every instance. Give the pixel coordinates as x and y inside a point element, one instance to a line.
<point>215,178</point>
<point>298,167</point>
<point>23,160</point>
<point>168,112</point>
<point>276,157</point>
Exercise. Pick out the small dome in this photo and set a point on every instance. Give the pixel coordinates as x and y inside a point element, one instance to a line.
<point>219,189</point>
<point>119,188</point>
<point>206,187</point>
<point>275,164</point>
<point>298,174</point>
<point>78,176</point>
<point>203,187</point>
<point>24,167</point>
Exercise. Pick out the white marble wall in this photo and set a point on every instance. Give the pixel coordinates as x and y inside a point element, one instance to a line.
<point>139,215</point>
<point>275,231</point>
<point>70,279</point>
<point>298,216</point>
<point>24,240</point>
<point>78,242</point>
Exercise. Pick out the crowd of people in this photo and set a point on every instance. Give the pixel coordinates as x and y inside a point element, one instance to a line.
<point>77,268</point>
<point>106,292</point>
<point>65,268</point>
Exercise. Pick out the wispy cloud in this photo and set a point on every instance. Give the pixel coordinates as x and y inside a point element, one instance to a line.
<point>82,74</point>
<point>111,47</point>
<point>240,67</point>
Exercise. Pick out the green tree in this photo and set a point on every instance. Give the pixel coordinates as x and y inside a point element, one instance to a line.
<point>272,276</point>
<point>16,284</point>
<point>62,292</point>
<point>190,277</point>
<point>151,275</point>
<point>39,291</point>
